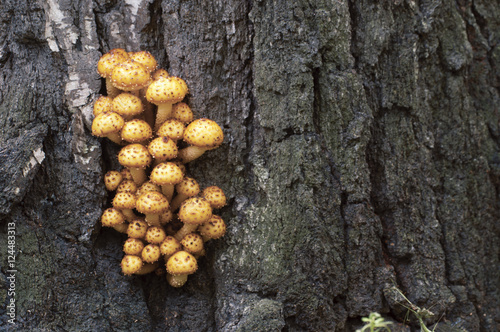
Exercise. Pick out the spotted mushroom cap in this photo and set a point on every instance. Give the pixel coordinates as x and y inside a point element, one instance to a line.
<point>124,200</point>
<point>182,112</point>
<point>195,210</point>
<point>127,186</point>
<point>151,203</point>
<point>134,155</point>
<point>127,105</point>
<point>133,246</point>
<point>151,253</point>
<point>166,216</point>
<point>112,180</point>
<point>109,61</point>
<point>188,186</point>
<point>131,264</point>
<point>165,90</point>
<point>107,123</point>
<point>214,228</point>
<point>147,187</point>
<point>146,59</point>
<point>204,133</point>
<point>130,76</point>
<point>137,229</point>
<point>192,243</point>
<point>155,234</point>
<point>102,104</point>
<point>163,148</point>
<point>166,173</point>
<point>136,130</point>
<point>170,246</point>
<point>182,262</point>
<point>172,128</point>
<point>215,196</point>
<point>112,217</point>
<point>160,73</point>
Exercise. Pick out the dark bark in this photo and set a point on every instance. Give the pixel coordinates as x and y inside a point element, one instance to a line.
<point>361,153</point>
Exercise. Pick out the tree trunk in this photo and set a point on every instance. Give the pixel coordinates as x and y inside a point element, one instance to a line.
<point>361,157</point>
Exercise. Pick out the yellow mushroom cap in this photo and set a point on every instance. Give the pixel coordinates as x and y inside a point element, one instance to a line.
<point>163,148</point>
<point>160,73</point>
<point>204,133</point>
<point>155,234</point>
<point>127,105</point>
<point>112,180</point>
<point>172,128</point>
<point>131,264</point>
<point>107,123</point>
<point>130,76</point>
<point>151,253</point>
<point>137,229</point>
<point>182,84</point>
<point>124,200</point>
<point>133,246</point>
<point>127,186</point>
<point>151,203</point>
<point>126,174</point>
<point>134,155</point>
<point>214,228</point>
<point>136,130</point>
<point>170,246</point>
<point>165,90</point>
<point>182,262</point>
<point>182,112</point>
<point>166,216</point>
<point>215,196</point>
<point>166,173</point>
<point>109,61</point>
<point>195,210</point>
<point>112,217</point>
<point>103,104</point>
<point>147,187</point>
<point>192,243</point>
<point>146,59</point>
<point>188,186</point>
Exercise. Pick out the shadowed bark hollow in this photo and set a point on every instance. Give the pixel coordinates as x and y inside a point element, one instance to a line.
<point>361,154</point>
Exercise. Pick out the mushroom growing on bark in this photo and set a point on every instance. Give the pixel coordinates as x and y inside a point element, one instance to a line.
<point>108,124</point>
<point>152,204</point>
<point>202,134</point>
<point>105,67</point>
<point>136,158</point>
<point>179,266</point>
<point>164,92</point>
<point>194,211</point>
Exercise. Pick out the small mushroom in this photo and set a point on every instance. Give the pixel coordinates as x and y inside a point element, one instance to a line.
<point>202,135</point>
<point>108,124</point>
<point>194,211</point>
<point>164,92</point>
<point>152,204</point>
<point>179,266</point>
<point>136,158</point>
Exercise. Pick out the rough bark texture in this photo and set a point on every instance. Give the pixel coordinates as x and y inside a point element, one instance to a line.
<point>361,153</point>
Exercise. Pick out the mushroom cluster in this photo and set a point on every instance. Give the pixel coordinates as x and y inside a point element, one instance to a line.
<point>165,214</point>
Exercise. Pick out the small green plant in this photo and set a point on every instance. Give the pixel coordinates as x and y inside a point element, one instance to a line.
<point>420,313</point>
<point>374,322</point>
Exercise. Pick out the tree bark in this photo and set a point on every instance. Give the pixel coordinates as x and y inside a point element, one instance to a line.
<point>361,155</point>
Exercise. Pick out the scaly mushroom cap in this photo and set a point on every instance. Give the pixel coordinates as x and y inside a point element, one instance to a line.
<point>151,203</point>
<point>155,235</point>
<point>137,229</point>
<point>163,148</point>
<point>136,130</point>
<point>195,210</point>
<point>214,228</point>
<point>151,253</point>
<point>107,123</point>
<point>112,217</point>
<point>204,133</point>
<point>166,216</point>
<point>170,246</point>
<point>135,156</point>
<point>124,200</point>
<point>130,76</point>
<point>182,84</point>
<point>131,264</point>
<point>166,173</point>
<point>159,73</point>
<point>147,187</point>
<point>127,105</point>
<point>192,243</point>
<point>133,246</point>
<point>126,174</point>
<point>215,196</point>
<point>109,61</point>
<point>182,262</point>
<point>103,104</point>
<point>172,128</point>
<point>165,90</point>
<point>112,180</point>
<point>182,112</point>
<point>188,187</point>
<point>146,59</point>
<point>127,186</point>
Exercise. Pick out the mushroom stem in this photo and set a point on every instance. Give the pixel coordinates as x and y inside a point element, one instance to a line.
<point>163,113</point>
<point>168,191</point>
<point>111,90</point>
<point>153,219</point>
<point>191,153</point>
<point>147,268</point>
<point>177,201</point>
<point>177,280</point>
<point>138,174</point>
<point>185,230</point>
<point>122,228</point>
